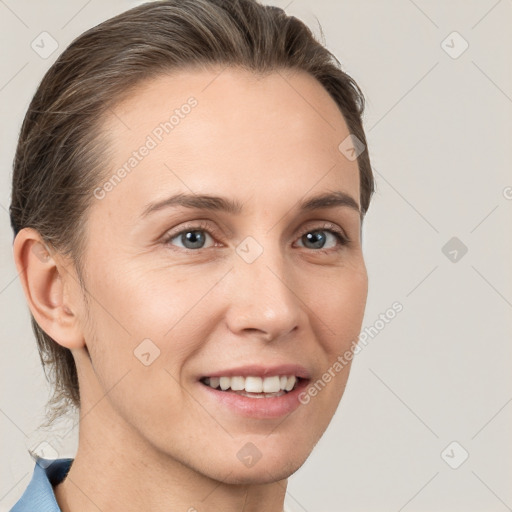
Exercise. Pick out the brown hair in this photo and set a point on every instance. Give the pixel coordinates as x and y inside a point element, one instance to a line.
<point>60,159</point>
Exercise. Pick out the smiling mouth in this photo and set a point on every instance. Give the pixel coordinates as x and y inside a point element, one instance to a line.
<point>253,386</point>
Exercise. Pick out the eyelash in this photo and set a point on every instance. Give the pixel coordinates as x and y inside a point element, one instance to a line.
<point>204,226</point>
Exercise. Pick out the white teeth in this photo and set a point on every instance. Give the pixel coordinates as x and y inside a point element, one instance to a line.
<point>290,383</point>
<point>237,383</point>
<point>253,384</point>
<point>274,384</point>
<point>271,384</point>
<point>225,383</point>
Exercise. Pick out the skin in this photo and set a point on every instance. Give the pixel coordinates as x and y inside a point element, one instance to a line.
<point>148,437</point>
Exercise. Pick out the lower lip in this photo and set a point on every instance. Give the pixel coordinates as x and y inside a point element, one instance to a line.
<point>259,408</point>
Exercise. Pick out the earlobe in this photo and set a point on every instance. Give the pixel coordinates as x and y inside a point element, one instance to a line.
<point>41,274</point>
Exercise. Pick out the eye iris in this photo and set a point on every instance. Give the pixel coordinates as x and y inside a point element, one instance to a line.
<point>193,237</point>
<point>315,237</point>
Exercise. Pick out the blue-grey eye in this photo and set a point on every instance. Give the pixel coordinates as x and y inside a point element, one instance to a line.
<point>317,239</point>
<point>191,239</point>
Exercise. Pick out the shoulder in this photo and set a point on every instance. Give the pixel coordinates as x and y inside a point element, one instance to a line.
<point>39,493</point>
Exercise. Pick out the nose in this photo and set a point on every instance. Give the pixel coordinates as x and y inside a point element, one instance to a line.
<point>263,300</point>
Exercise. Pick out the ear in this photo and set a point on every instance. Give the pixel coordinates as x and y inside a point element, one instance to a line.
<point>46,282</point>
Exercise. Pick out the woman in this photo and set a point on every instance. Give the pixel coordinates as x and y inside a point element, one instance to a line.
<point>188,193</point>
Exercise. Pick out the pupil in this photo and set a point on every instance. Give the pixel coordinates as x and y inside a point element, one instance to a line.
<point>196,240</point>
<point>317,238</point>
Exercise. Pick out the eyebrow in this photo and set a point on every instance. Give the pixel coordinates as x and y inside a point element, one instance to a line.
<point>235,207</point>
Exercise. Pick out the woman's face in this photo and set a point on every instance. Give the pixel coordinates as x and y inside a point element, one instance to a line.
<point>179,293</point>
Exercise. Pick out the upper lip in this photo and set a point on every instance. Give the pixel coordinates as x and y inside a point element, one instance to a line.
<point>257,370</point>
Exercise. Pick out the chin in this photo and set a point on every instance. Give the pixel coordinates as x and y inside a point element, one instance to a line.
<point>263,472</point>
<point>265,461</point>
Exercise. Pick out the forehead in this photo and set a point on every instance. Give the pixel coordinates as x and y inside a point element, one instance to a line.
<point>226,129</point>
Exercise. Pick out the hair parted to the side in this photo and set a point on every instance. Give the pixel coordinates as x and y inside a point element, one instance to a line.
<point>60,158</point>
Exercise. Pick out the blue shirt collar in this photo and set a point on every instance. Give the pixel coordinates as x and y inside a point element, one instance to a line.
<point>39,493</point>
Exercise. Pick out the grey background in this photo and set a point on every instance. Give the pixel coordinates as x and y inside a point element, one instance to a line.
<point>439,133</point>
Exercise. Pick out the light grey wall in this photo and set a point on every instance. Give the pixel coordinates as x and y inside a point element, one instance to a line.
<point>439,129</point>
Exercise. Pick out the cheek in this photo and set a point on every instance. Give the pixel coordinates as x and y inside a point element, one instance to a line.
<point>142,310</point>
<point>142,302</point>
<point>339,303</point>
<point>137,345</point>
